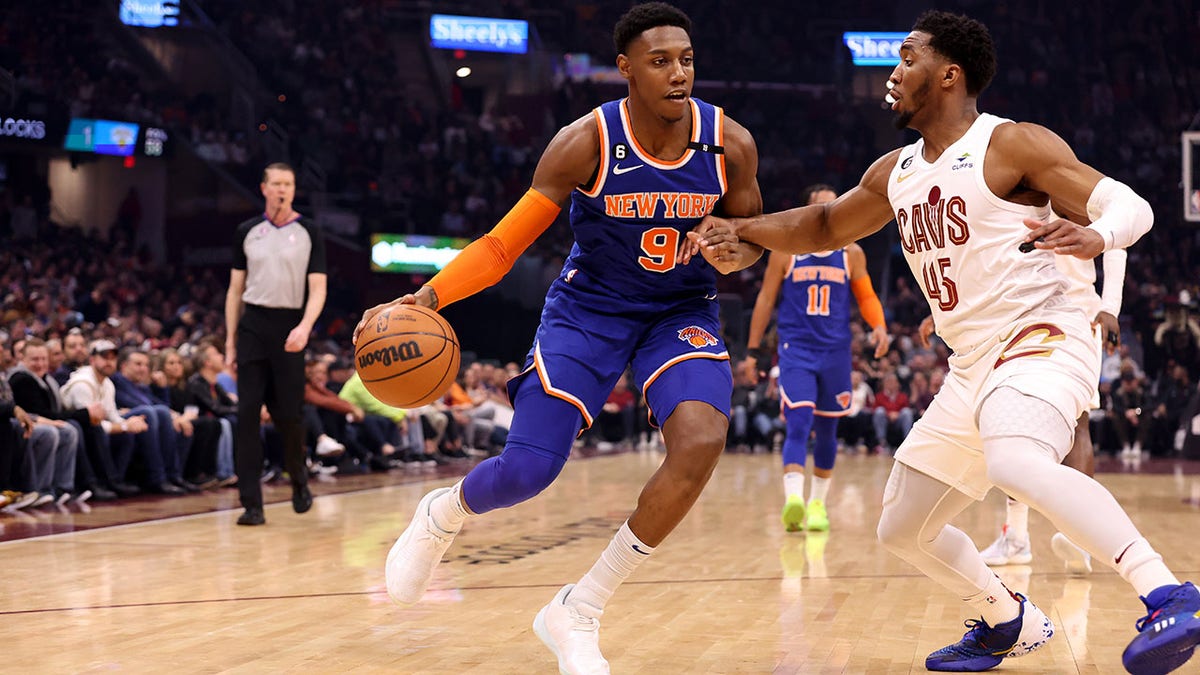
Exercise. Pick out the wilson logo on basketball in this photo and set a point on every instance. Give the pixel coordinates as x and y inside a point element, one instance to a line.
<point>405,351</point>
<point>697,337</point>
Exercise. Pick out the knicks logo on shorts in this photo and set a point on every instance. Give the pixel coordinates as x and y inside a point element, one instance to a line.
<point>1035,340</point>
<point>843,399</point>
<point>697,337</point>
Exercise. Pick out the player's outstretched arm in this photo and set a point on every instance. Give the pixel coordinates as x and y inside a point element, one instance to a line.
<point>742,198</point>
<point>1037,158</point>
<point>568,162</point>
<point>860,211</point>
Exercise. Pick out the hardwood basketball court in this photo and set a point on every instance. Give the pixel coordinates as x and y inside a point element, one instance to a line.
<point>728,592</point>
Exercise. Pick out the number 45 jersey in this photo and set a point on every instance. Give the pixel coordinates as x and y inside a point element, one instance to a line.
<point>961,241</point>
<point>629,222</point>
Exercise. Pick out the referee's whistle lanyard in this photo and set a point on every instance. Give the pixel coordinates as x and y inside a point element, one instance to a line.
<point>292,217</point>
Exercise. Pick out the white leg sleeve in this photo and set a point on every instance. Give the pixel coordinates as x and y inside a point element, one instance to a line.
<point>1024,438</point>
<point>914,525</point>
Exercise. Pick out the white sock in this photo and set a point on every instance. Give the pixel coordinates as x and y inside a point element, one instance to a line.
<point>1143,567</point>
<point>995,603</point>
<point>1016,521</point>
<point>624,553</point>
<point>793,484</point>
<point>448,511</point>
<point>820,487</point>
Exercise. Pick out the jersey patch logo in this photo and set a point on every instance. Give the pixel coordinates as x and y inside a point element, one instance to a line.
<point>1035,340</point>
<point>697,337</point>
<point>571,275</point>
<point>962,163</point>
<point>843,399</point>
<point>906,163</point>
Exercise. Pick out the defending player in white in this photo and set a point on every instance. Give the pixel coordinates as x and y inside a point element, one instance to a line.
<point>967,198</point>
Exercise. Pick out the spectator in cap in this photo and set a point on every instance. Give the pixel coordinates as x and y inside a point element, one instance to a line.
<point>92,384</point>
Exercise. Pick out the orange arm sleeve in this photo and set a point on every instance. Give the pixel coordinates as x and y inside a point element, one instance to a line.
<point>487,259</point>
<point>868,303</point>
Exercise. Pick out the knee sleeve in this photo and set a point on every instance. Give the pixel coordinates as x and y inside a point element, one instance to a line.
<point>536,448</point>
<point>517,474</point>
<point>914,525</point>
<point>825,445</point>
<point>799,424</point>
<point>1031,431</point>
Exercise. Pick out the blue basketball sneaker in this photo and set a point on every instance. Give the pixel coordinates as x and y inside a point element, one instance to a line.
<point>983,647</point>
<point>1168,634</point>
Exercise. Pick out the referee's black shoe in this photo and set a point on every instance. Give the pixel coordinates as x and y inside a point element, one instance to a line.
<point>301,498</point>
<point>252,516</point>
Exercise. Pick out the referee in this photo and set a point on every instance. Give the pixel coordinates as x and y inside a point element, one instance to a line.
<point>277,257</point>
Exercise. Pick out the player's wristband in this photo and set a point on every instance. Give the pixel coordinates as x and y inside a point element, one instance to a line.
<point>761,358</point>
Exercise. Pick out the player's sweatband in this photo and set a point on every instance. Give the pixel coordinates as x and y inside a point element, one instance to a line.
<point>1118,214</point>
<point>868,303</point>
<point>762,359</point>
<point>1114,281</point>
<point>487,259</point>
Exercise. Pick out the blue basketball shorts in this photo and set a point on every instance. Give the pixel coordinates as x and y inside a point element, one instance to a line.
<point>817,379</point>
<point>675,355</point>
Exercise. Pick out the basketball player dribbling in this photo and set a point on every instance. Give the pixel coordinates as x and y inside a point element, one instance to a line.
<point>966,197</point>
<point>639,173</point>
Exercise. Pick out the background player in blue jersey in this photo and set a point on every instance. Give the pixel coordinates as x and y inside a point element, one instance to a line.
<point>639,173</point>
<point>813,323</point>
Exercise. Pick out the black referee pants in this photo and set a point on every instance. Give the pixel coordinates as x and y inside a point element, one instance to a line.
<point>268,374</point>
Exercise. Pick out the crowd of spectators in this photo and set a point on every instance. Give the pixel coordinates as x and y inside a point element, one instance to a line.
<point>114,364</point>
<point>1119,88</point>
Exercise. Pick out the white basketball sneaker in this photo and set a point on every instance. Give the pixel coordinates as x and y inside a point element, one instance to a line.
<point>416,554</point>
<point>1007,551</point>
<point>572,632</point>
<point>1078,561</point>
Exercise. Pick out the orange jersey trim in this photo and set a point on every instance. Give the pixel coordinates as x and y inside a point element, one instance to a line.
<point>720,140</point>
<point>644,155</point>
<point>602,172</point>
<point>723,356</point>
<point>822,413</point>
<point>544,377</point>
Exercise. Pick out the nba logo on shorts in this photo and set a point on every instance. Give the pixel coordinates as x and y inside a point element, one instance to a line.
<point>697,337</point>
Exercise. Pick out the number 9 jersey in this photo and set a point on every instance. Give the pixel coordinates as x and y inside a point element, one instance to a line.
<point>630,221</point>
<point>622,299</point>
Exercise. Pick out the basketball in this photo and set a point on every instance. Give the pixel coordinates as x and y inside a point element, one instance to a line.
<point>407,356</point>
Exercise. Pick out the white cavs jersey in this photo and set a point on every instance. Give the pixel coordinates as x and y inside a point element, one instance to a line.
<point>961,241</point>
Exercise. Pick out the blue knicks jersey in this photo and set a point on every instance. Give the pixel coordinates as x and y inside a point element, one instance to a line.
<point>628,226</point>
<point>814,311</point>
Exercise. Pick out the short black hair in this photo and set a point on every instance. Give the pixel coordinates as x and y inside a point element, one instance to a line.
<point>643,17</point>
<point>964,41</point>
<point>812,190</point>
